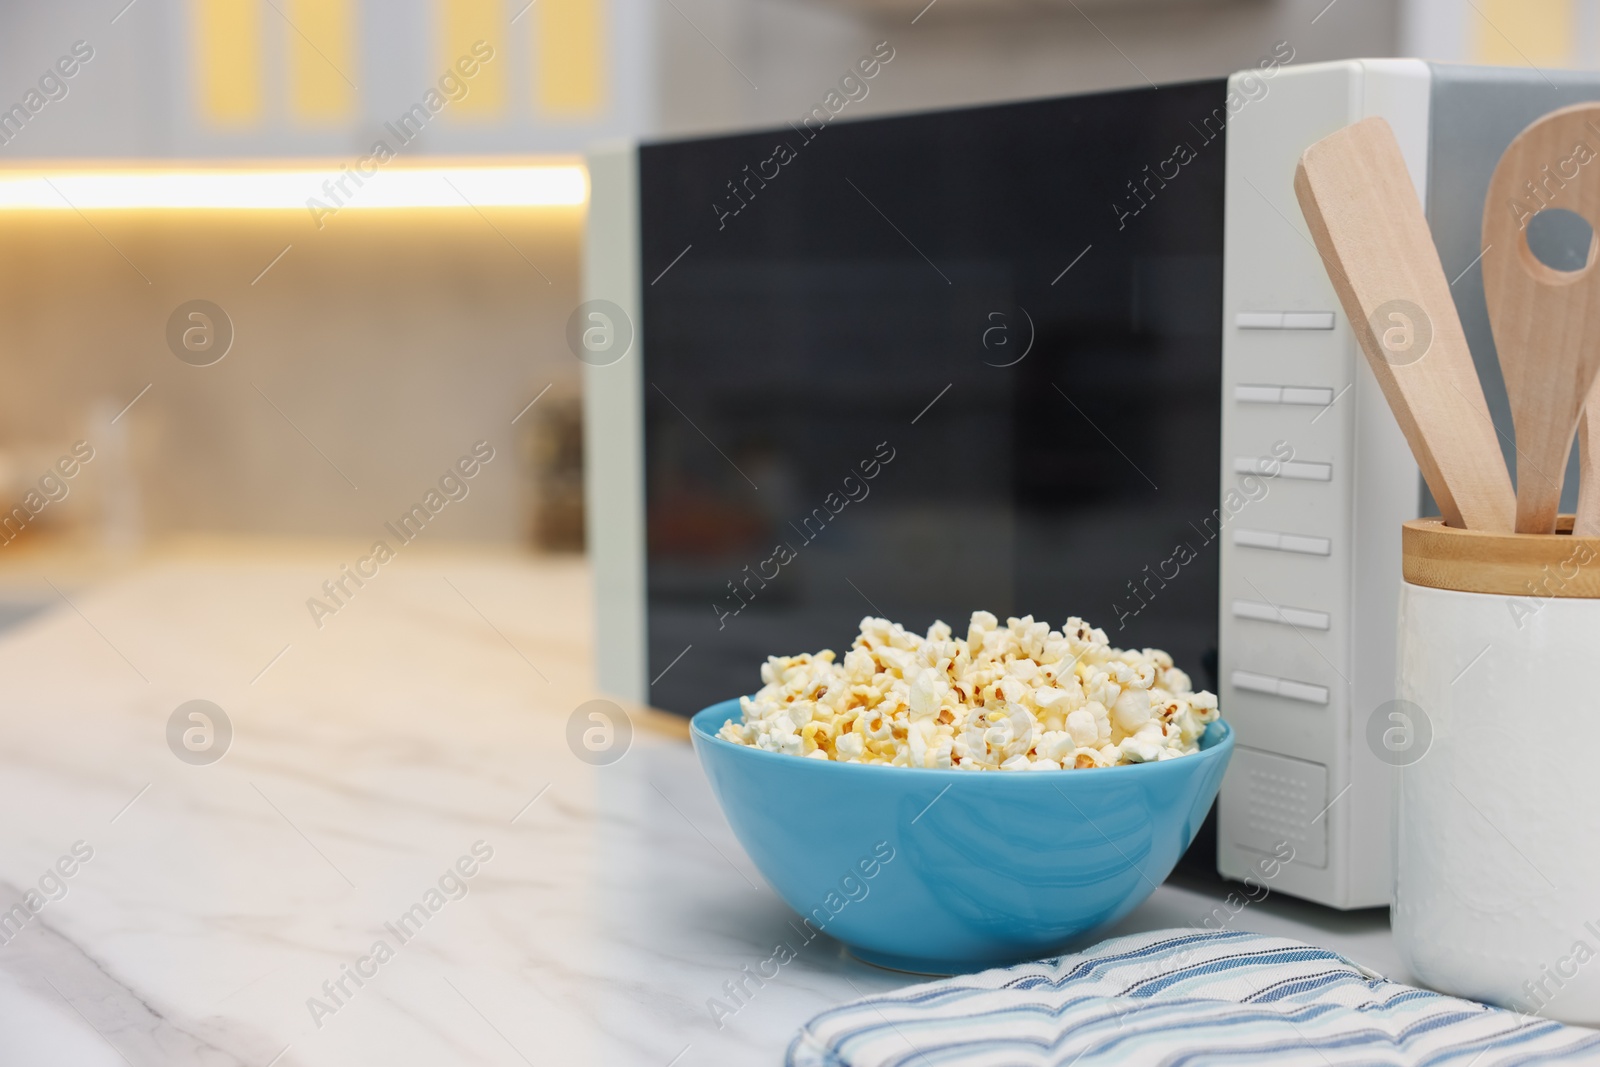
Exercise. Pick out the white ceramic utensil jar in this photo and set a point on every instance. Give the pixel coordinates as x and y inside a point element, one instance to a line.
<point>1497,893</point>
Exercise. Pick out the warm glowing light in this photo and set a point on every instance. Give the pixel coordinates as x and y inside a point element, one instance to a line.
<point>542,185</point>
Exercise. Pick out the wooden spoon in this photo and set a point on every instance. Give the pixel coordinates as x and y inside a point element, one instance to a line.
<point>1368,224</point>
<point>1544,320</point>
<point>1588,519</point>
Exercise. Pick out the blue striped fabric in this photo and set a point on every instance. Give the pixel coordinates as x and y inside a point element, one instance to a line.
<point>1179,998</point>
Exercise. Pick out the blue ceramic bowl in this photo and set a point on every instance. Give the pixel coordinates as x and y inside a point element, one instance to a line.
<point>943,871</point>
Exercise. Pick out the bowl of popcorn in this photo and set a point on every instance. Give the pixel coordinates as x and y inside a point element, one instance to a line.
<point>943,803</point>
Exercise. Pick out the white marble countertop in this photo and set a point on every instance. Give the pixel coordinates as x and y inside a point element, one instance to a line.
<point>428,715</point>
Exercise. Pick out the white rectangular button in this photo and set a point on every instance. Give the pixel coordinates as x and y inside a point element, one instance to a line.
<point>1311,694</point>
<point>1257,539</point>
<point>1307,394</point>
<point>1311,620</point>
<point>1258,394</point>
<point>1308,320</point>
<point>1284,542</point>
<point>1255,683</point>
<point>1311,472</point>
<point>1272,468</point>
<point>1282,687</point>
<point>1311,546</point>
<point>1255,609</point>
<point>1259,320</point>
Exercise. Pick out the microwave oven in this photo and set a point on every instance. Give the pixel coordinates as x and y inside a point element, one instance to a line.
<point>1064,357</point>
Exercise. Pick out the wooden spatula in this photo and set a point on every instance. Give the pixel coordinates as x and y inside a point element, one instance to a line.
<point>1544,320</point>
<point>1368,224</point>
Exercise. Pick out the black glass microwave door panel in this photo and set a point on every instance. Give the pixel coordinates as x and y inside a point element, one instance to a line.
<point>972,308</point>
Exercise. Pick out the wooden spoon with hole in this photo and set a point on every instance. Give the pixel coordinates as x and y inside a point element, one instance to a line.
<point>1367,222</point>
<point>1545,321</point>
<point>1587,523</point>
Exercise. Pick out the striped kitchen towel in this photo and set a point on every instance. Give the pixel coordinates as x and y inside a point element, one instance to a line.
<point>1178,997</point>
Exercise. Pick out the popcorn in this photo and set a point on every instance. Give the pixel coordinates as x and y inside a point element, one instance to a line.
<point>1012,697</point>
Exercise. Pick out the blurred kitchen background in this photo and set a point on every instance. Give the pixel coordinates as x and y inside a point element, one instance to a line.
<point>372,344</point>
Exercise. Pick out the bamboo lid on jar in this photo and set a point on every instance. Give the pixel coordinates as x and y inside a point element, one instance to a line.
<point>1507,564</point>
